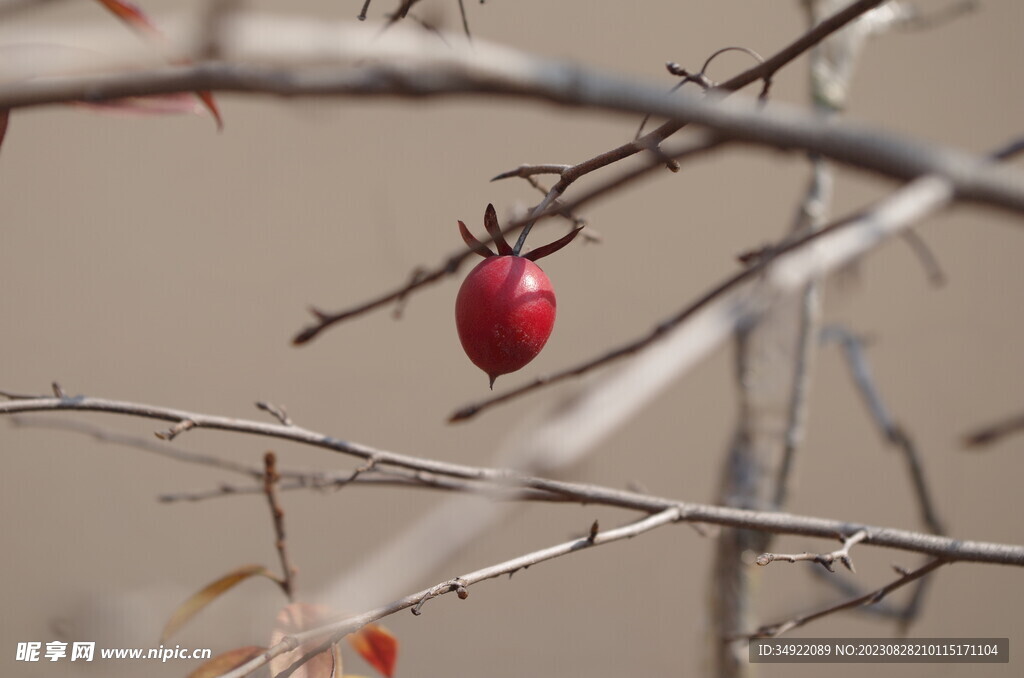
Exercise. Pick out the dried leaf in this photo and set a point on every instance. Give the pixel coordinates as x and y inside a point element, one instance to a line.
<point>223,663</point>
<point>208,594</point>
<point>473,243</point>
<point>295,618</point>
<point>553,247</point>
<point>377,646</point>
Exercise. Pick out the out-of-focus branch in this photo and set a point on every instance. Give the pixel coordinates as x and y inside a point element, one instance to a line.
<point>987,435</point>
<point>778,628</point>
<point>290,479</point>
<point>894,434</point>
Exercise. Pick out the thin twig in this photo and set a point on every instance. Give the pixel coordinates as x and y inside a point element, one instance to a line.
<point>860,372</point>
<point>916,19</point>
<point>278,412</point>
<point>270,480</point>
<point>904,615</point>
<point>465,20</point>
<point>104,435</point>
<point>826,560</point>
<point>390,478</point>
<point>992,433</point>
<point>777,629</point>
<point>929,262</point>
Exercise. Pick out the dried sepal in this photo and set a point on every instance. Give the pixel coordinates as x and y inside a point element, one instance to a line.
<point>473,243</point>
<point>494,230</point>
<point>552,247</point>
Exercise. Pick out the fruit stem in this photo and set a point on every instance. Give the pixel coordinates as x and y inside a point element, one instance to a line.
<point>522,239</point>
<point>533,219</point>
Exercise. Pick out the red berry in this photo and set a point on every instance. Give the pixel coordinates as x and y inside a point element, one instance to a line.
<point>505,312</point>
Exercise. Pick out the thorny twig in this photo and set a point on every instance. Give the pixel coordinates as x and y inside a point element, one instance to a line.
<point>826,560</point>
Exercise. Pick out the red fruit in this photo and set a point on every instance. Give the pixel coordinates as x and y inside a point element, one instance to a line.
<point>505,309</point>
<point>505,312</point>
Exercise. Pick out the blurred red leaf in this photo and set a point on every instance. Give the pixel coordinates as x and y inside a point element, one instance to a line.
<point>226,661</point>
<point>134,17</point>
<point>211,105</point>
<point>208,594</point>
<point>377,646</point>
<point>295,618</point>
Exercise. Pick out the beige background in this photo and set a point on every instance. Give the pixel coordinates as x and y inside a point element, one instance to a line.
<point>158,261</point>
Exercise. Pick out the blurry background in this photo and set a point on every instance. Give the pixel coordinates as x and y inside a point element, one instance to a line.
<point>155,260</point>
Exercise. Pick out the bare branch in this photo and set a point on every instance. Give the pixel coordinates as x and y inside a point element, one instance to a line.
<point>775,522</point>
<point>994,432</point>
